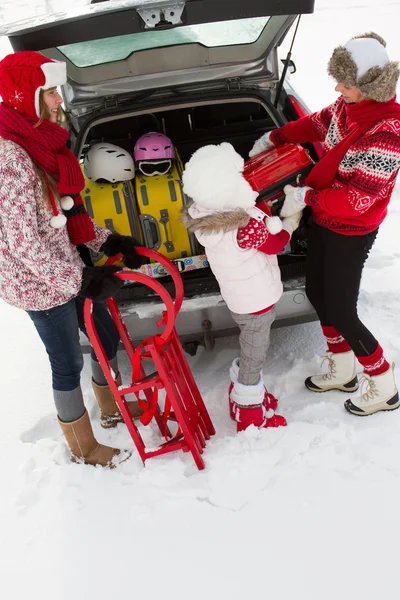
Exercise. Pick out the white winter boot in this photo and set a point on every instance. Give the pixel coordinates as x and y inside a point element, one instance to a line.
<point>249,408</point>
<point>380,393</point>
<point>270,402</point>
<point>341,374</point>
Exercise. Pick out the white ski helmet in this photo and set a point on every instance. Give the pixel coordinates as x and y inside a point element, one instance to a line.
<point>108,162</point>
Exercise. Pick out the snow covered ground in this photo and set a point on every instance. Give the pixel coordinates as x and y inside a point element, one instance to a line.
<point>307,512</point>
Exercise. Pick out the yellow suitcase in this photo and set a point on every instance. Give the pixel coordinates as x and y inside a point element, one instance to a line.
<point>113,206</point>
<point>160,199</point>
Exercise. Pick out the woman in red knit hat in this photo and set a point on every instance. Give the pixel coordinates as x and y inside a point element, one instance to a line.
<point>349,192</point>
<point>42,221</point>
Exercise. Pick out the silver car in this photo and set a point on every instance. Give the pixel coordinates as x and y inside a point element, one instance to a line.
<point>200,71</point>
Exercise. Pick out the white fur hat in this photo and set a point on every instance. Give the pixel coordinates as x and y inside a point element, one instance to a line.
<point>213,178</point>
<point>364,62</point>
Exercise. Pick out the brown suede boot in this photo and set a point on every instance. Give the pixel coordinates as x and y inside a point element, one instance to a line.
<point>85,448</point>
<point>110,414</point>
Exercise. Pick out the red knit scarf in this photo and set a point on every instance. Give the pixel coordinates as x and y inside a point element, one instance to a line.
<point>361,117</point>
<point>46,144</point>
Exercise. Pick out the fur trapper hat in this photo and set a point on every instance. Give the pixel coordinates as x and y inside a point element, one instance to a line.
<point>364,62</point>
<point>213,179</point>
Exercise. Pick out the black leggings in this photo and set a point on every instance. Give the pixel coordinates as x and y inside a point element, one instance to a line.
<point>333,276</point>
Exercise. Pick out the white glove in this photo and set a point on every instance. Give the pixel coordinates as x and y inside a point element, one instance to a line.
<point>263,143</point>
<point>294,201</point>
<point>290,224</point>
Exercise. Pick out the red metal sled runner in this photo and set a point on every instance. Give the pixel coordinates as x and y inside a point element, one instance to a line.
<point>183,402</point>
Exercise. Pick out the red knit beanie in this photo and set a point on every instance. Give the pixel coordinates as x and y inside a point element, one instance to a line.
<point>23,75</point>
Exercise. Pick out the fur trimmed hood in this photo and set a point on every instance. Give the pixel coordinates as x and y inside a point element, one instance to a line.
<point>198,221</point>
<point>213,178</point>
<point>364,62</point>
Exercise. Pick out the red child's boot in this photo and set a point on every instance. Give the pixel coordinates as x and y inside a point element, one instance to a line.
<point>249,408</point>
<point>270,402</point>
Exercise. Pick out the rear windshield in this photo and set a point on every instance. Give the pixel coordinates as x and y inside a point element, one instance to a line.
<point>224,33</point>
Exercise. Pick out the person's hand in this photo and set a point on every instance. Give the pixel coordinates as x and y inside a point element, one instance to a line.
<point>100,283</point>
<point>294,201</point>
<point>263,143</point>
<point>125,245</point>
<point>291,223</point>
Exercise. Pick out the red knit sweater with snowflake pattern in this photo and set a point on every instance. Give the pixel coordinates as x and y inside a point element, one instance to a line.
<point>356,204</point>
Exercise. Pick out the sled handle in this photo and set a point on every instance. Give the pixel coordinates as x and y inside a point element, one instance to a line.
<point>169,317</point>
<point>165,262</point>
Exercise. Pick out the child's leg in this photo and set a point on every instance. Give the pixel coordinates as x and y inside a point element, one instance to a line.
<point>254,343</point>
<point>247,392</point>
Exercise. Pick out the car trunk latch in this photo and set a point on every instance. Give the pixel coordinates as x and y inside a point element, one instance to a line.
<point>234,84</point>
<point>110,102</point>
<point>161,16</point>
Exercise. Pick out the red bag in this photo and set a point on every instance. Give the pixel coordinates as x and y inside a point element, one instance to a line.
<point>270,171</point>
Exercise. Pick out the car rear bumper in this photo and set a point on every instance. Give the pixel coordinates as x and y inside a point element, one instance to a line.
<point>207,314</point>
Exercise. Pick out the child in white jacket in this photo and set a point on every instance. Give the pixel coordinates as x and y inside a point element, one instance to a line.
<point>241,243</point>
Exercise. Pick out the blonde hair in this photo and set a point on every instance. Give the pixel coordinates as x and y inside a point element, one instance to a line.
<point>45,178</point>
<point>47,181</point>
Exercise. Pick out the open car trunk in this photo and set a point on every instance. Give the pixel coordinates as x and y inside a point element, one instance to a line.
<point>190,125</point>
<point>200,71</point>
<point>116,49</point>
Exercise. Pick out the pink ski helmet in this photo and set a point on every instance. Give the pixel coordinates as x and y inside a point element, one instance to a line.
<point>153,146</point>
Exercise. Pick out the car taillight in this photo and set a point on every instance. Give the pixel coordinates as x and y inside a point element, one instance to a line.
<point>298,107</point>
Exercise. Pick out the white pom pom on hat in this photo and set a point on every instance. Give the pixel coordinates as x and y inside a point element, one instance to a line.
<point>58,221</point>
<point>66,202</point>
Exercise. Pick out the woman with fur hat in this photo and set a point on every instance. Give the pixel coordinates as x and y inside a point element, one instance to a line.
<point>42,223</point>
<point>348,191</point>
<point>241,243</point>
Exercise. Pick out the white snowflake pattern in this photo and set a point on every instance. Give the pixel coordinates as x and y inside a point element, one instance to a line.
<point>388,125</point>
<point>380,161</point>
<point>318,124</point>
<point>360,202</point>
<point>332,137</point>
<point>17,97</point>
<point>350,160</point>
<point>394,125</point>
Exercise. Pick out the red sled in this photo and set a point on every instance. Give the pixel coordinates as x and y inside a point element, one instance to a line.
<point>270,171</point>
<point>183,403</point>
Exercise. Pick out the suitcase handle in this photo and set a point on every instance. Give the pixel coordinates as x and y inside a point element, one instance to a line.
<point>164,220</point>
<point>151,232</point>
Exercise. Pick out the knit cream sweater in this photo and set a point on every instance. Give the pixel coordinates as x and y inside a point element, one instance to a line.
<point>39,267</point>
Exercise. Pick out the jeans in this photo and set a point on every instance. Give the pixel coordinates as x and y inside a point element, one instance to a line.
<point>333,276</point>
<point>59,328</point>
